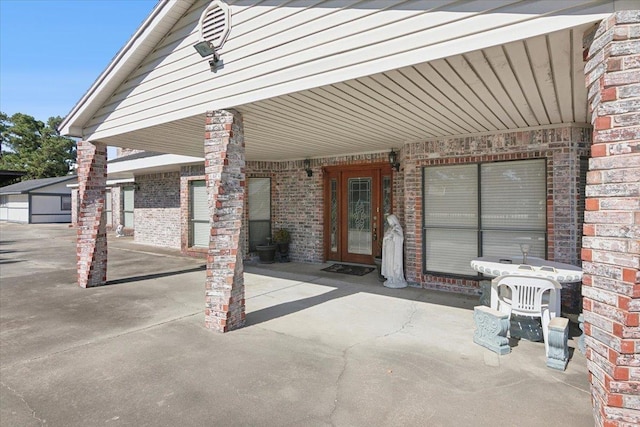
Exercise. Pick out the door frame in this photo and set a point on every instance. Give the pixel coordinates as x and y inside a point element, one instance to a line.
<point>379,170</point>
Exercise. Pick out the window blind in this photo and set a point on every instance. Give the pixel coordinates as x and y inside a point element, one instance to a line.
<point>199,211</point>
<point>451,196</point>
<point>259,199</point>
<point>514,195</point>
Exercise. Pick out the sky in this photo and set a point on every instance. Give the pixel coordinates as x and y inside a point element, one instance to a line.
<point>52,51</point>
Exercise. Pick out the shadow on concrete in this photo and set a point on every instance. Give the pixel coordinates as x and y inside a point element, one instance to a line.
<point>153,276</point>
<point>343,289</point>
<point>284,309</point>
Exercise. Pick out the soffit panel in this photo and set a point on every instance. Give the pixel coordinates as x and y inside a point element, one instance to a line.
<point>528,83</point>
<point>278,48</point>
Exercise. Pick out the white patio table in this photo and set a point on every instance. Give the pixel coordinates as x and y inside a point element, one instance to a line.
<point>498,266</point>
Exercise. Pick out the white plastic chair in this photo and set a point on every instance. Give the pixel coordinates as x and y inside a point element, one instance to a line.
<point>527,296</point>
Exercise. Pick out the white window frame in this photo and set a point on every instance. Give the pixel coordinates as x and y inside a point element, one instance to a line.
<point>198,219</point>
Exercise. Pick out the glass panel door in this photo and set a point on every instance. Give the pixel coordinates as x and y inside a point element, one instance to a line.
<point>359,212</point>
<point>357,201</point>
<point>333,216</point>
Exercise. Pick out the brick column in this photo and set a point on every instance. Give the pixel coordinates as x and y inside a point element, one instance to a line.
<point>92,237</point>
<point>611,243</point>
<point>225,177</point>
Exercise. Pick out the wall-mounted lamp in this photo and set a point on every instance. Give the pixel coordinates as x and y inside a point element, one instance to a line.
<point>205,48</point>
<point>307,167</point>
<point>393,160</point>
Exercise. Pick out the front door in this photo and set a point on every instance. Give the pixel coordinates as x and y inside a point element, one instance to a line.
<point>356,201</point>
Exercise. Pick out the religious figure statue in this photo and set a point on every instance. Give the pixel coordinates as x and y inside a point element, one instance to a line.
<point>393,254</point>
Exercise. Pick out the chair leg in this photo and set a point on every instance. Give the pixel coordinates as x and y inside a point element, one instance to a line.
<point>545,318</point>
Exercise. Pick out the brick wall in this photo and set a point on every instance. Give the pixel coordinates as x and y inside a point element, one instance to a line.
<point>297,200</point>
<point>562,147</point>
<point>611,246</point>
<point>157,215</point>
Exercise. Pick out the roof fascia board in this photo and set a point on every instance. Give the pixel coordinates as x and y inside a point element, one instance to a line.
<point>109,182</point>
<point>151,162</point>
<point>120,66</point>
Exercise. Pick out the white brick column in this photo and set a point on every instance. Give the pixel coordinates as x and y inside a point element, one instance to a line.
<point>611,243</point>
<point>92,237</point>
<point>225,177</point>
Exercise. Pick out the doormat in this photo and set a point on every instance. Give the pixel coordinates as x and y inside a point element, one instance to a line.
<point>354,270</point>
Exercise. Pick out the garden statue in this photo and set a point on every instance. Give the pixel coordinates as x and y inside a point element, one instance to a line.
<point>393,254</point>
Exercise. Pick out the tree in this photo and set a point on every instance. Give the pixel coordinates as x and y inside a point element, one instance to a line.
<point>31,146</point>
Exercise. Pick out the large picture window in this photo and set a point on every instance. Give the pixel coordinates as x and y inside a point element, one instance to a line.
<point>483,209</point>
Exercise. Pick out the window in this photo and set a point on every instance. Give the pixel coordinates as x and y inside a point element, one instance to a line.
<point>65,203</point>
<point>127,206</point>
<point>259,203</point>
<point>199,229</point>
<point>484,209</point>
<point>108,209</point>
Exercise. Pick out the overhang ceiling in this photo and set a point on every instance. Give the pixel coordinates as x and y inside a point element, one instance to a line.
<point>530,83</point>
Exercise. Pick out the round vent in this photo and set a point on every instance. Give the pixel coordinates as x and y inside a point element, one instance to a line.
<point>215,23</point>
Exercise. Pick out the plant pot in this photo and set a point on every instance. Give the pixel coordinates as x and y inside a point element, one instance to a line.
<point>283,247</point>
<point>266,253</point>
<point>283,252</point>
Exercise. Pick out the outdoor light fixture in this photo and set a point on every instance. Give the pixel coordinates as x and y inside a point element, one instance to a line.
<point>393,160</point>
<point>307,167</point>
<point>205,48</point>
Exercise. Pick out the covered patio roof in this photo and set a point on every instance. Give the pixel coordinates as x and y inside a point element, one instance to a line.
<point>530,83</point>
<point>465,69</point>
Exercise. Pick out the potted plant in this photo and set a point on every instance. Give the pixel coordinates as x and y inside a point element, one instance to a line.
<point>282,237</point>
<point>266,252</point>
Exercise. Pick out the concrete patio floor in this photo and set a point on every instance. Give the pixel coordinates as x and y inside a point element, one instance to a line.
<point>319,349</point>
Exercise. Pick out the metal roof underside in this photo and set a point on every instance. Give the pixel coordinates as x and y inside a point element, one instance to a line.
<point>530,83</point>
